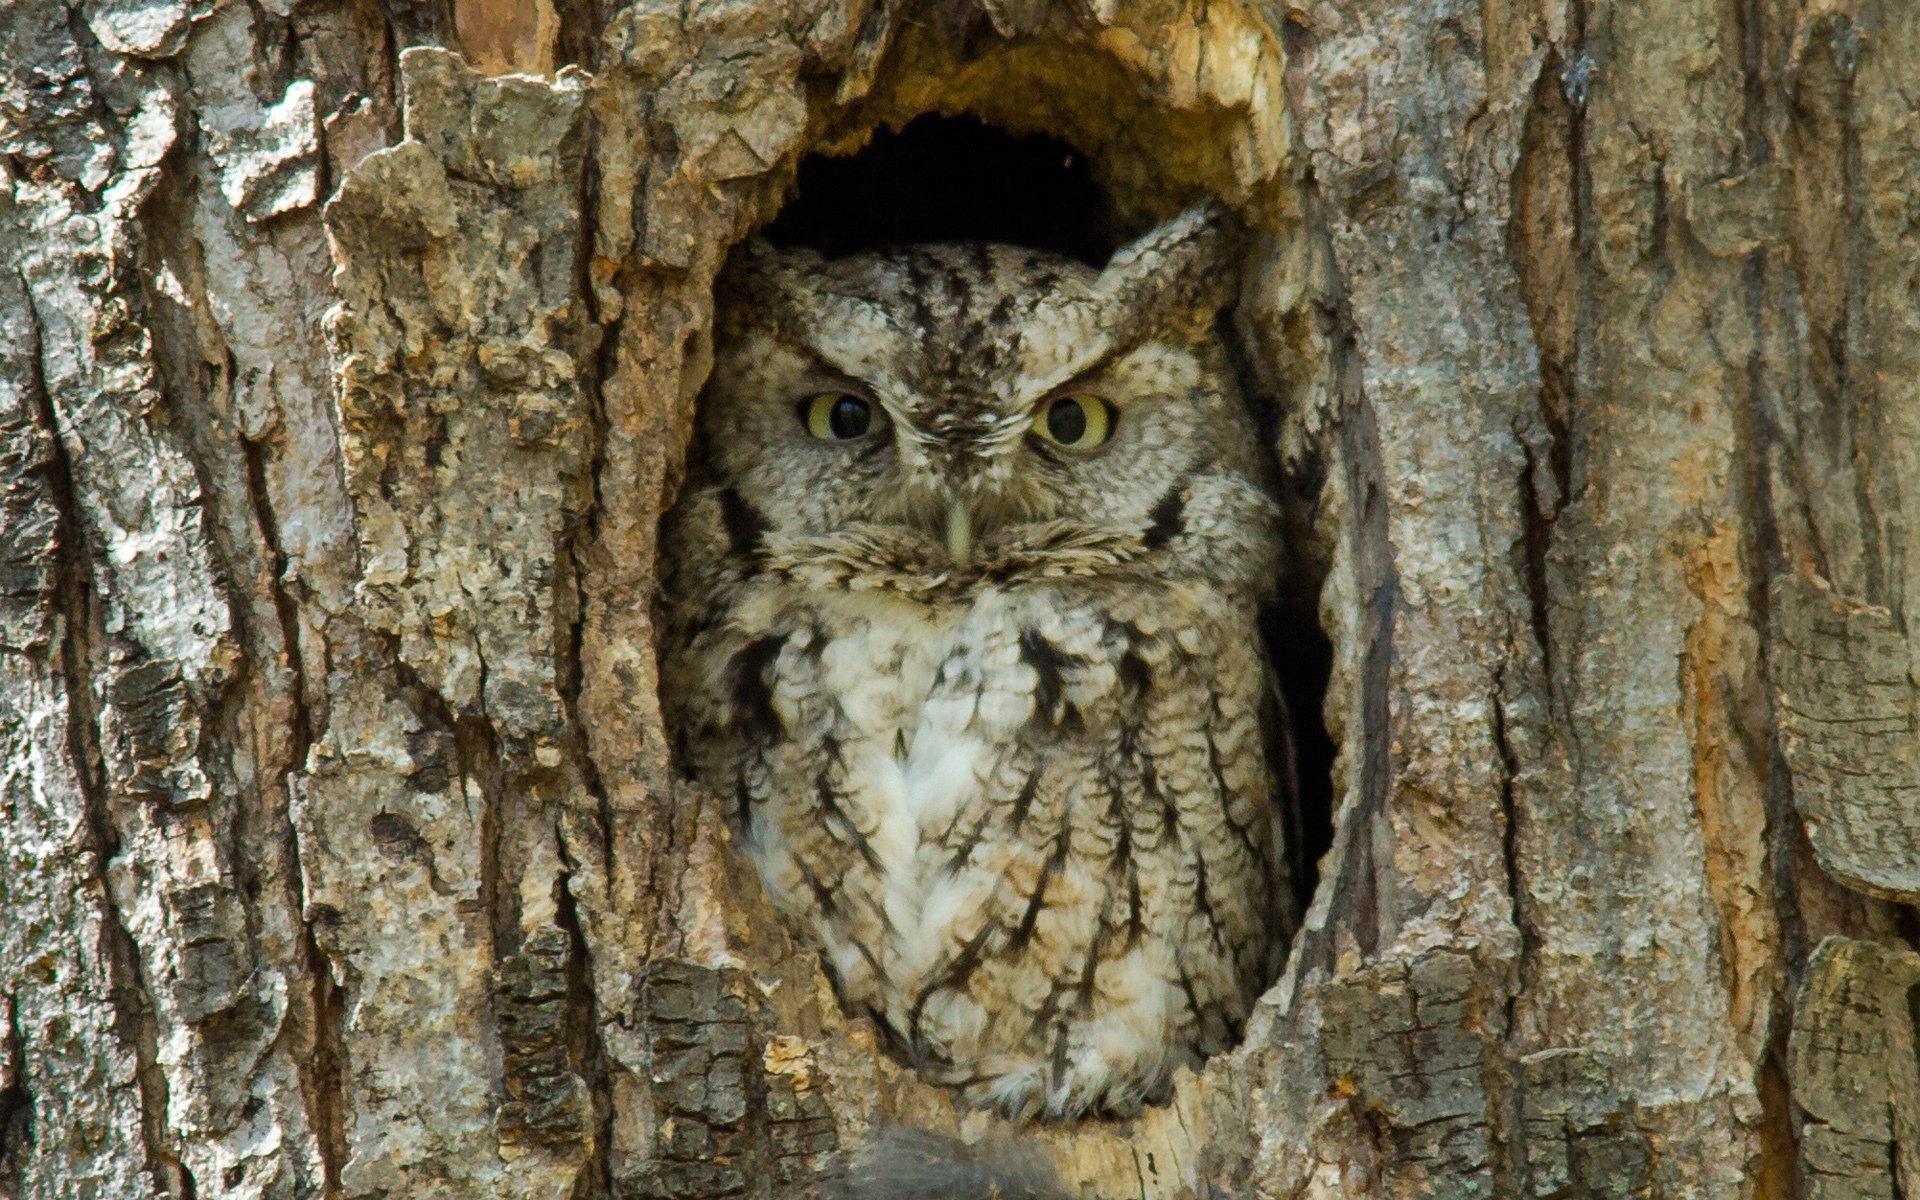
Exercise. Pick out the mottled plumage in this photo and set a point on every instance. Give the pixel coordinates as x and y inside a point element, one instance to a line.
<point>990,712</point>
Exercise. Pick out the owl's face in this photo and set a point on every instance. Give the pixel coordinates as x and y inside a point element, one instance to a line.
<point>984,401</point>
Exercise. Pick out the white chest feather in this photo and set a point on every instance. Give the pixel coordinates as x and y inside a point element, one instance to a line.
<point>925,706</point>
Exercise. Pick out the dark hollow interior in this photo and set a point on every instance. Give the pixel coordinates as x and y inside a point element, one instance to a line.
<point>943,179</point>
<point>947,179</point>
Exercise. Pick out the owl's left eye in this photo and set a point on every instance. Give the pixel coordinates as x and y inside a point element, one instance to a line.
<point>836,416</point>
<point>1075,422</point>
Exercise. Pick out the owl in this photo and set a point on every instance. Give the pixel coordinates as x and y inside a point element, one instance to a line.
<point>960,618</point>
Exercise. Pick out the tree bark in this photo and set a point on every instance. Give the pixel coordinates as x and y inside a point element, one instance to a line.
<point>347,357</point>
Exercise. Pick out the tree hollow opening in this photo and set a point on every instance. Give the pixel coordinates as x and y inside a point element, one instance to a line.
<point>944,179</point>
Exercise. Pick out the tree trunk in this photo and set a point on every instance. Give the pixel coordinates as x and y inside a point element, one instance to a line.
<point>342,383</point>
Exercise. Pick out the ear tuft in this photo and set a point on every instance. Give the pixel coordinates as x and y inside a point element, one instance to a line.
<point>1180,272</point>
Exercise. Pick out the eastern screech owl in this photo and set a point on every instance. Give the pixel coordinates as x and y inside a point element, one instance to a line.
<point>960,604</point>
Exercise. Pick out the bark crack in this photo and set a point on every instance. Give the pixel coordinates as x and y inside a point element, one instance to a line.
<point>131,998</point>
<point>1537,522</point>
<point>1510,812</point>
<point>324,1076</point>
<point>1756,432</point>
<point>1547,240</point>
<point>1512,1168</point>
<point>585,531</point>
<point>478,762</point>
<point>591,1060</point>
<point>16,1100</point>
<point>1359,873</point>
<point>585,1050</point>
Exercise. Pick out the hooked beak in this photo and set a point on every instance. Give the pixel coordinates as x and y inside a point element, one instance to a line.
<point>959,531</point>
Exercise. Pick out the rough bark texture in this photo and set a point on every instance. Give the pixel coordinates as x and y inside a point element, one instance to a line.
<point>343,379</point>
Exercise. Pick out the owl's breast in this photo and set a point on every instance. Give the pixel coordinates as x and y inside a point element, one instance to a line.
<point>1032,831</point>
<point>903,726</point>
<point>923,704</point>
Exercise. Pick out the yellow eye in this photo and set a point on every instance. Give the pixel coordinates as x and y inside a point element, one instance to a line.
<point>1075,422</point>
<point>836,416</point>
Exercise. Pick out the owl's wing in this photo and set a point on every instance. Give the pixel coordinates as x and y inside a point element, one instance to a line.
<point>807,783</point>
<point>756,717</point>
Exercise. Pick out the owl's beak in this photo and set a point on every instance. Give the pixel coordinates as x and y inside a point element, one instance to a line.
<point>959,531</point>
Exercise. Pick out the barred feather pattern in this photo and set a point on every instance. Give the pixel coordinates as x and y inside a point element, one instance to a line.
<point>1026,792</point>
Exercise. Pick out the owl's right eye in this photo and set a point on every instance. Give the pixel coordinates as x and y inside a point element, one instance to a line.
<point>836,416</point>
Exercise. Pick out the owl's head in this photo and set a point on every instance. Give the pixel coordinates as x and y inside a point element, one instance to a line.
<point>988,411</point>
